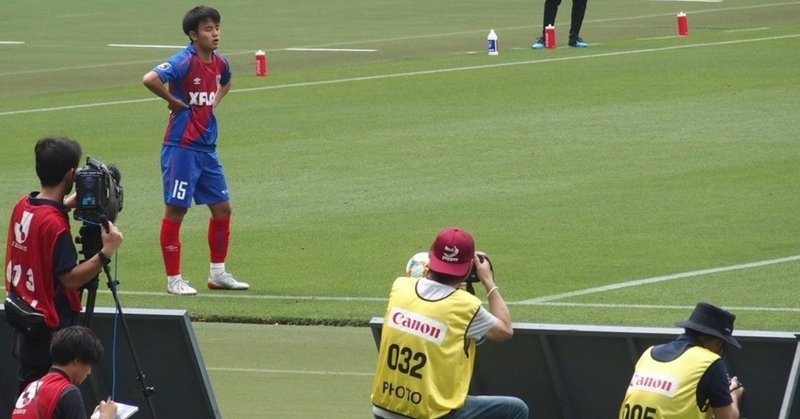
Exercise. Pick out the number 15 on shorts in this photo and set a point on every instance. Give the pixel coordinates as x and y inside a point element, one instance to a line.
<point>179,190</point>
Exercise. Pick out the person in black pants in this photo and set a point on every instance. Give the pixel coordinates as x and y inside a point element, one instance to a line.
<point>578,11</point>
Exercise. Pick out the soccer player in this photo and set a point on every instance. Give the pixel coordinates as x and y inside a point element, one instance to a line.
<point>198,79</point>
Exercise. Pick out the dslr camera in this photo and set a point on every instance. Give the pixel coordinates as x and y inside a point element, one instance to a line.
<point>473,273</point>
<point>98,192</point>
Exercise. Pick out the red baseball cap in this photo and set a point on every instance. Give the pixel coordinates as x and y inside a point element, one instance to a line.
<point>452,252</point>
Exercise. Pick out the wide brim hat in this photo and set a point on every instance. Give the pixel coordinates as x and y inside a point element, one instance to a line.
<point>713,321</point>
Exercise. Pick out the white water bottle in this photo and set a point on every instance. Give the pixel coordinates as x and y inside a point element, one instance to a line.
<point>492,43</point>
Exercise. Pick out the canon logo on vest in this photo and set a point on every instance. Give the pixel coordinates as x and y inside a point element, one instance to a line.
<point>654,384</point>
<point>417,325</point>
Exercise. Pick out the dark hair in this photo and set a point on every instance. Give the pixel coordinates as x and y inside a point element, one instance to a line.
<point>76,343</point>
<point>55,156</point>
<point>444,279</point>
<point>194,17</point>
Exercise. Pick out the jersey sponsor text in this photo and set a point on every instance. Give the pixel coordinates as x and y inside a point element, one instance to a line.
<point>418,325</point>
<point>202,98</point>
<point>654,383</point>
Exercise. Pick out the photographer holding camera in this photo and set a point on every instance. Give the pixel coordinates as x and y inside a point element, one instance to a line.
<point>428,338</point>
<point>42,276</point>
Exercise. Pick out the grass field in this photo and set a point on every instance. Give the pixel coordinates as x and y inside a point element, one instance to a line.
<point>618,184</point>
<point>289,371</point>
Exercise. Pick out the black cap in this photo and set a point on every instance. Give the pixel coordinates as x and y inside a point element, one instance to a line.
<point>713,321</point>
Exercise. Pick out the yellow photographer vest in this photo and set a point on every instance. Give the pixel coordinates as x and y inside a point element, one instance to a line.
<point>667,390</point>
<point>425,360</point>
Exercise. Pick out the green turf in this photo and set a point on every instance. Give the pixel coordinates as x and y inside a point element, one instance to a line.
<point>643,155</point>
<point>288,371</point>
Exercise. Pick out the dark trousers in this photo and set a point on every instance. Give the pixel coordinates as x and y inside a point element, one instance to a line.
<point>578,12</point>
<point>33,354</point>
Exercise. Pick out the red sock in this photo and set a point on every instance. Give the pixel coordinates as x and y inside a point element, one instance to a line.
<point>219,233</point>
<point>171,246</point>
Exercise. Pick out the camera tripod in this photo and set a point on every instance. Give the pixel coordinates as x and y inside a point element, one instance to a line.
<point>91,244</point>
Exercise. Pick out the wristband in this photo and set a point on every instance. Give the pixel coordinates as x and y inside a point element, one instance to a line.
<point>491,291</point>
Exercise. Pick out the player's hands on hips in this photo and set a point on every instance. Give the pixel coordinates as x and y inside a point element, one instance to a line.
<point>177,105</point>
<point>112,238</point>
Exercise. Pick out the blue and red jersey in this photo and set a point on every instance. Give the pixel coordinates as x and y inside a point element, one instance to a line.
<point>195,83</point>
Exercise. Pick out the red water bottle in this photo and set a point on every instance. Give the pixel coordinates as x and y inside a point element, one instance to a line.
<point>261,63</point>
<point>683,25</point>
<point>549,36</point>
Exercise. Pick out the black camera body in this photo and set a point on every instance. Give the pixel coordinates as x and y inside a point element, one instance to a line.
<point>98,192</point>
<point>473,273</point>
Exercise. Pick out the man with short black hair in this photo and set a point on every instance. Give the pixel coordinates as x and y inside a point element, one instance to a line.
<point>74,350</point>
<point>193,82</point>
<point>685,378</point>
<point>41,258</point>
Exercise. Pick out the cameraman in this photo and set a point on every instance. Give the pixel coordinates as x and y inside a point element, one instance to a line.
<point>41,258</point>
<point>427,349</point>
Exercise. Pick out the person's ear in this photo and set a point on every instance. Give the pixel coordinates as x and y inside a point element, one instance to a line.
<point>719,345</point>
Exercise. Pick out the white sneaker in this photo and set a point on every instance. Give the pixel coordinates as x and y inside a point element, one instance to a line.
<point>180,287</point>
<point>225,282</point>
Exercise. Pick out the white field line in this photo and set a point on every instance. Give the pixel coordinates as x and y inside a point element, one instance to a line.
<point>239,296</point>
<point>231,296</point>
<point>657,306</point>
<point>317,49</point>
<point>529,27</point>
<point>536,61</point>
<point>653,280</point>
<point>404,38</point>
<point>147,46</point>
<point>747,30</point>
<point>420,73</point>
<point>693,1</point>
<point>12,42</point>
<point>273,371</point>
<point>541,301</point>
<point>653,38</point>
<point>144,63</point>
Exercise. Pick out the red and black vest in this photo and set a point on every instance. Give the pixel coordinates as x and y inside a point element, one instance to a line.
<point>40,398</point>
<point>33,232</point>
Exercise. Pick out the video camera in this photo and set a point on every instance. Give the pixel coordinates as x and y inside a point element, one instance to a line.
<point>98,200</point>
<point>98,192</point>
